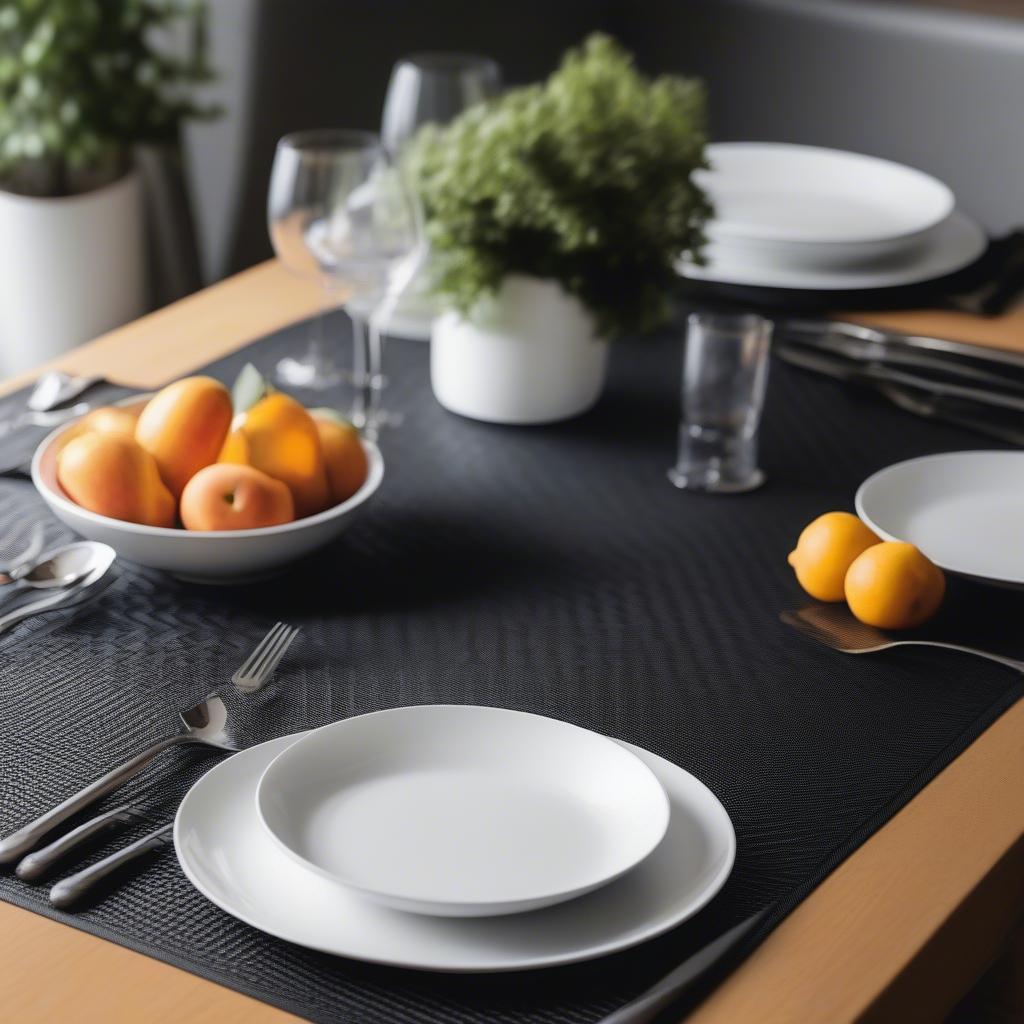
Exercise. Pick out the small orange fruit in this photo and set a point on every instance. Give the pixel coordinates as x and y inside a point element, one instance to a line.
<point>107,419</point>
<point>234,497</point>
<point>113,475</point>
<point>278,436</point>
<point>893,586</point>
<point>825,550</point>
<point>183,427</point>
<point>344,457</point>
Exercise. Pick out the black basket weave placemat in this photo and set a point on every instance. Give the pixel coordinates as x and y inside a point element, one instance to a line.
<point>553,570</point>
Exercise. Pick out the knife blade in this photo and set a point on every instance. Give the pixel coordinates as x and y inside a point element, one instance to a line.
<point>849,369</point>
<point>956,351</point>
<point>894,355</point>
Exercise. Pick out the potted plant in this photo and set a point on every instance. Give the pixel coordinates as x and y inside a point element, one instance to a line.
<point>82,84</point>
<point>556,214</point>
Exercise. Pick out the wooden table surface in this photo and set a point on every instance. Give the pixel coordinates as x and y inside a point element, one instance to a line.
<point>897,933</point>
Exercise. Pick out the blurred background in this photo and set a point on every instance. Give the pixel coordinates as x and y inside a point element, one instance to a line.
<point>851,74</point>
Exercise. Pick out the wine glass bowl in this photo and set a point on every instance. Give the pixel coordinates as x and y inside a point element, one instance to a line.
<point>434,88</point>
<point>339,213</point>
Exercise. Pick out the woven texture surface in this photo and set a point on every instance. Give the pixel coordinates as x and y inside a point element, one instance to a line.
<point>552,570</point>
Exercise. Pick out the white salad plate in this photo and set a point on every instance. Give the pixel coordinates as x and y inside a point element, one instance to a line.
<point>226,853</point>
<point>964,510</point>
<point>781,193</point>
<point>462,811</point>
<point>954,244</point>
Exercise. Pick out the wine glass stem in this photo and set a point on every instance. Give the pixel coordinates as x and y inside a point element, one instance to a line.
<point>317,354</point>
<point>361,374</point>
<point>376,375</point>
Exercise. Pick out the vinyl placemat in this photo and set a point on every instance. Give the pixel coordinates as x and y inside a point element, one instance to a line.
<point>550,569</point>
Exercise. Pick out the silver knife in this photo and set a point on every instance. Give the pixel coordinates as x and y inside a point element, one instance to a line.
<point>68,891</point>
<point>874,373</point>
<point>956,351</point>
<point>887,354</point>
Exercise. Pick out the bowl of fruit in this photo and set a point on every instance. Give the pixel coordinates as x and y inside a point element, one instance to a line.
<point>207,487</point>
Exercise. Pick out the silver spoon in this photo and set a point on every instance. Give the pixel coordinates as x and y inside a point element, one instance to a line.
<point>836,627</point>
<point>208,723</point>
<point>55,388</point>
<point>60,567</point>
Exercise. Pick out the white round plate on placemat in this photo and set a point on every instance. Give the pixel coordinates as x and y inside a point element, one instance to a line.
<point>783,193</point>
<point>462,811</point>
<point>964,510</point>
<point>953,245</point>
<point>227,854</point>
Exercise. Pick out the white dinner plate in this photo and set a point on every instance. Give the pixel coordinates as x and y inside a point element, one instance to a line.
<point>956,243</point>
<point>225,852</point>
<point>964,510</point>
<point>777,192</point>
<point>462,811</point>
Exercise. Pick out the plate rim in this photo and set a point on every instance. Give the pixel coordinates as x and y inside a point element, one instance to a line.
<point>970,231</point>
<point>896,467</point>
<point>652,931</point>
<point>665,811</point>
<point>939,187</point>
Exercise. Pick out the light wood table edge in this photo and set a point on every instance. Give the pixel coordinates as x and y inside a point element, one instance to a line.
<point>898,932</point>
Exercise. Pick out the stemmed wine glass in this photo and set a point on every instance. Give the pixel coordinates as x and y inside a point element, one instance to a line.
<point>340,214</point>
<point>434,88</point>
<point>428,88</point>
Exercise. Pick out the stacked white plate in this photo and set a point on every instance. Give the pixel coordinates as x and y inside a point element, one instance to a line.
<point>805,218</point>
<point>455,838</point>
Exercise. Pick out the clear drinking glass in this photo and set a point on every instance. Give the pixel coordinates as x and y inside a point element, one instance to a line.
<point>725,374</point>
<point>340,214</point>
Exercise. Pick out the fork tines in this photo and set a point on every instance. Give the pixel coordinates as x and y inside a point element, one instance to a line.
<point>259,666</point>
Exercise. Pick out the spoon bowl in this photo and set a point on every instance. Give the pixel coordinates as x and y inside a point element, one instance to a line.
<point>61,567</point>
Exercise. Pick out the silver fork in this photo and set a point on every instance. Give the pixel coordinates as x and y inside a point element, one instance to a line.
<point>260,665</point>
<point>209,724</point>
<point>836,627</point>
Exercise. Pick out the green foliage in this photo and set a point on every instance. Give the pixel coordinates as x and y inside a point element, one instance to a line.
<point>81,81</point>
<point>585,178</point>
<point>249,388</point>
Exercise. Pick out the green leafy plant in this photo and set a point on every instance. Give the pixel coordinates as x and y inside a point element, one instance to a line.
<point>81,81</point>
<point>585,178</point>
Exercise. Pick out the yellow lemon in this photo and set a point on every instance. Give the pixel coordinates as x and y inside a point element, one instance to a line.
<point>825,550</point>
<point>893,586</point>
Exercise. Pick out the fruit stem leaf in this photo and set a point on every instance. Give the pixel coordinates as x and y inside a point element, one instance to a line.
<point>249,388</point>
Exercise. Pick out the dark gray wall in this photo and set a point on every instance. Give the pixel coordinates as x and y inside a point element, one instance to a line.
<point>935,88</point>
<point>939,89</point>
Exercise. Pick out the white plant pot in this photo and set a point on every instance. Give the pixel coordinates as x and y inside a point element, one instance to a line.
<point>529,355</point>
<point>70,269</point>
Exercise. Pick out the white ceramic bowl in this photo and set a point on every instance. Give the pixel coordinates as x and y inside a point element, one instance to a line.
<point>462,811</point>
<point>216,556</point>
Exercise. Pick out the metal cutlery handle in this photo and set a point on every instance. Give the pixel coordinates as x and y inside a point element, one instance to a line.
<point>677,982</point>
<point>43,419</point>
<point>39,864</point>
<point>1017,666</point>
<point>55,602</point>
<point>17,844</point>
<point>877,372</point>
<point>70,890</point>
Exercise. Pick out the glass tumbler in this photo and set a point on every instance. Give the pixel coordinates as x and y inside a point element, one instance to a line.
<point>725,375</point>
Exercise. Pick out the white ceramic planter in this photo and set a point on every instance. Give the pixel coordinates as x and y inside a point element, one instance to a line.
<point>70,269</point>
<point>529,355</point>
